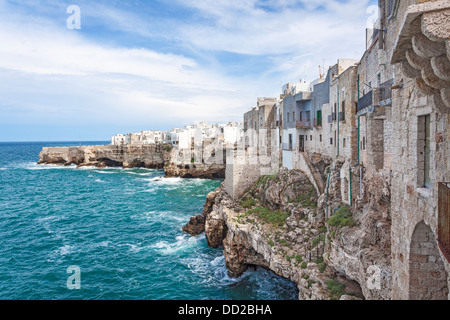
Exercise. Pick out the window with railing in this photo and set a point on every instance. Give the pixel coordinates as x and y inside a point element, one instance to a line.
<point>318,122</point>
<point>385,92</point>
<point>444,219</point>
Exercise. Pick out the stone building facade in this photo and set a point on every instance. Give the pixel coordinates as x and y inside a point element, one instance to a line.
<point>386,120</point>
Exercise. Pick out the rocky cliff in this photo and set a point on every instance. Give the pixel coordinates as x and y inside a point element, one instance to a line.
<point>128,156</point>
<point>280,224</point>
<point>154,156</point>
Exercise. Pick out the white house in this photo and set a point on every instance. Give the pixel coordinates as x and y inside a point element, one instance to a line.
<point>118,140</point>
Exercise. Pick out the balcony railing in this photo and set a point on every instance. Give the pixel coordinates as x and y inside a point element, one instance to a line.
<point>385,93</point>
<point>303,124</point>
<point>317,122</point>
<point>444,219</point>
<point>365,101</point>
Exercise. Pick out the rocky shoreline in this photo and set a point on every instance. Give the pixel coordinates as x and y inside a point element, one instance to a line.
<point>155,156</point>
<point>280,224</point>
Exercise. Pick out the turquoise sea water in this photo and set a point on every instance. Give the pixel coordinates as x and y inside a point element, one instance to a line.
<point>122,228</point>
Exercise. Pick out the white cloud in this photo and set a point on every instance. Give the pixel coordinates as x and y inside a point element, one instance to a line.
<point>43,63</point>
<point>125,83</point>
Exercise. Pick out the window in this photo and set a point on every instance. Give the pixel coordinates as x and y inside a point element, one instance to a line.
<point>288,117</point>
<point>310,137</point>
<point>364,143</point>
<point>344,142</point>
<point>301,116</point>
<point>320,138</point>
<point>293,116</point>
<point>331,141</point>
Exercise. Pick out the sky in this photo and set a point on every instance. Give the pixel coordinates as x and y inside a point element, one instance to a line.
<point>155,65</point>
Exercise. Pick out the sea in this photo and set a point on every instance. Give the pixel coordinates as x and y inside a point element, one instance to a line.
<point>110,234</point>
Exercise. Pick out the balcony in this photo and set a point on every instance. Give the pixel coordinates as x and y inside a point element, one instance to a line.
<point>385,93</point>
<point>318,122</point>
<point>365,101</point>
<point>304,124</point>
<point>444,219</point>
<point>287,147</point>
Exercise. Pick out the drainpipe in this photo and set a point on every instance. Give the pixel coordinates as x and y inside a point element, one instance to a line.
<point>328,188</point>
<point>338,120</point>
<point>443,147</point>
<point>357,164</point>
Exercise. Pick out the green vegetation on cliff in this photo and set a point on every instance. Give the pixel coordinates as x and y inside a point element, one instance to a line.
<point>276,218</point>
<point>342,218</point>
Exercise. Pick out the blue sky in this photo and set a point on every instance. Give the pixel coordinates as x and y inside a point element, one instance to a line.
<point>143,65</point>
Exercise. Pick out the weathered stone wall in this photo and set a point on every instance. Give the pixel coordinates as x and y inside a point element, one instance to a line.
<point>413,207</point>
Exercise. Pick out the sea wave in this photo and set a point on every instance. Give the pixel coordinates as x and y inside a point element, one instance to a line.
<point>35,166</point>
<point>181,244</point>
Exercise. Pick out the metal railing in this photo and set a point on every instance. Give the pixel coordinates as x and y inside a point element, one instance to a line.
<point>444,219</point>
<point>301,124</point>
<point>385,92</point>
<point>365,101</point>
<point>317,122</point>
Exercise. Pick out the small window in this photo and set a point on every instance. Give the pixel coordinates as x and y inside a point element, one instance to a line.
<point>320,138</point>
<point>310,137</point>
<point>331,141</point>
<point>344,142</point>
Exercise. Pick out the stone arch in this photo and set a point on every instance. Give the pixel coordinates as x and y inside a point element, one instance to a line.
<point>427,275</point>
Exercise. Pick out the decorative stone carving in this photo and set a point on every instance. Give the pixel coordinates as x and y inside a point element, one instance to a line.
<point>423,50</point>
<point>441,67</point>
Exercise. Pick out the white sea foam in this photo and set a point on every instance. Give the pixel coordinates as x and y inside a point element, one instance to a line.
<point>65,250</point>
<point>104,171</point>
<point>182,243</point>
<point>99,181</point>
<point>158,216</point>
<point>35,166</point>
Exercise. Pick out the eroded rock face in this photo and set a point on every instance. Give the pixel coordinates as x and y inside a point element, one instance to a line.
<point>305,248</point>
<point>283,189</point>
<point>196,225</point>
<point>203,171</point>
<point>146,156</point>
<point>156,156</point>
